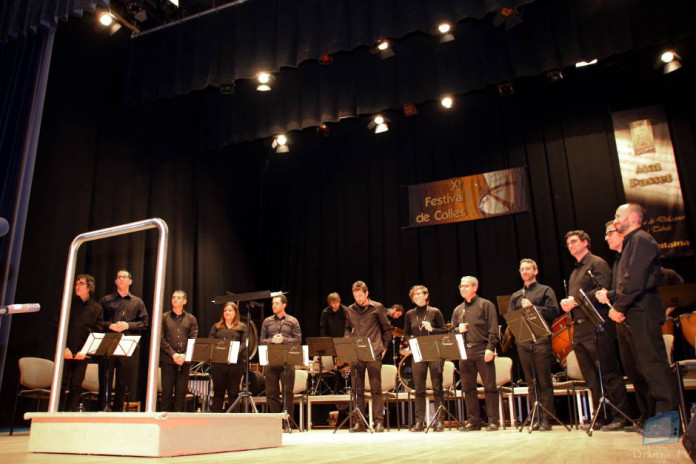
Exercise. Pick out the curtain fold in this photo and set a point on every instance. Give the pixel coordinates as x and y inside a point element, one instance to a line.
<point>21,17</point>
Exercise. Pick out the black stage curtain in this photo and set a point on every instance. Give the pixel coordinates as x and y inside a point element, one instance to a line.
<point>329,212</point>
<point>24,17</point>
<point>555,34</point>
<point>238,41</point>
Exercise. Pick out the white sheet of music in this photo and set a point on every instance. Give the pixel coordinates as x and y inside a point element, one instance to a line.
<point>233,354</point>
<point>189,349</point>
<point>460,344</point>
<point>92,344</point>
<point>305,354</point>
<point>263,355</point>
<point>415,349</point>
<point>127,345</point>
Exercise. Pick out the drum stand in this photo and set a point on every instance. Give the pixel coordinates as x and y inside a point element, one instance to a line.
<point>603,400</point>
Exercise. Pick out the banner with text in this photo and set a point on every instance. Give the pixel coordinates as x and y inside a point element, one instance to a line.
<point>468,198</point>
<point>649,173</point>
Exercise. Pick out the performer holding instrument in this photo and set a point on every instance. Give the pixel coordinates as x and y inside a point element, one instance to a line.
<point>419,321</point>
<point>227,376</point>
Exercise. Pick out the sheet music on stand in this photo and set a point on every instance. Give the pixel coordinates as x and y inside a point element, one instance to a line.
<point>436,347</point>
<point>110,344</point>
<point>351,349</point>
<point>527,324</point>
<point>212,350</point>
<point>264,356</point>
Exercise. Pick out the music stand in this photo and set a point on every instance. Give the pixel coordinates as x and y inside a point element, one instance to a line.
<point>320,346</point>
<point>212,350</point>
<point>598,321</point>
<point>441,348</point>
<point>351,350</point>
<point>248,298</point>
<point>286,356</point>
<point>527,324</point>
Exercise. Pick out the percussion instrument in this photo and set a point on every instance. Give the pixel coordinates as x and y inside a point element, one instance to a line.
<point>405,349</point>
<point>668,327</point>
<point>253,335</point>
<point>563,331</point>
<point>396,331</point>
<point>405,372</point>
<point>688,326</point>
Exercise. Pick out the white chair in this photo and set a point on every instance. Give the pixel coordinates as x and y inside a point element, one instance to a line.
<point>576,388</point>
<point>36,374</point>
<point>503,376</point>
<point>388,376</point>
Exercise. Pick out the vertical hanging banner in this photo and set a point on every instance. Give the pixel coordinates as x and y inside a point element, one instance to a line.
<point>468,198</point>
<point>650,178</point>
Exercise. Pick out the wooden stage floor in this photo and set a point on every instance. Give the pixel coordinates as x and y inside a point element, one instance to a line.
<point>323,447</point>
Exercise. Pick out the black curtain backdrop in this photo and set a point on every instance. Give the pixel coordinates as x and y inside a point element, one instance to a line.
<point>330,212</point>
<point>24,17</point>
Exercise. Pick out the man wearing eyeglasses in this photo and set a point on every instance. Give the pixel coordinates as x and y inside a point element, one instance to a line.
<point>123,313</point>
<point>86,316</point>
<point>590,274</point>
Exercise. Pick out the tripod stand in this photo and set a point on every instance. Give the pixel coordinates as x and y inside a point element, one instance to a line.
<point>245,397</point>
<point>352,350</point>
<point>320,346</point>
<point>528,325</point>
<point>598,321</point>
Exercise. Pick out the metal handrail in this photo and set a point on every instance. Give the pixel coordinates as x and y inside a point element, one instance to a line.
<point>156,321</point>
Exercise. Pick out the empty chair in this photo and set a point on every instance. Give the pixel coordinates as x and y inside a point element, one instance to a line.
<point>35,374</point>
<point>503,376</point>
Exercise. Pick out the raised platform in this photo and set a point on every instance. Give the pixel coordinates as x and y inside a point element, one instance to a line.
<point>152,434</point>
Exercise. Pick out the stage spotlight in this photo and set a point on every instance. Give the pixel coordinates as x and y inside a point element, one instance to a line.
<point>173,2</point>
<point>671,61</point>
<point>112,22</point>
<point>105,19</point>
<point>136,9</point>
<point>582,64</point>
<point>265,81</point>
<point>280,144</point>
<point>506,89</point>
<point>554,76</point>
<point>445,32</point>
<point>322,130</point>
<point>379,124</point>
<point>384,49</point>
<point>447,102</point>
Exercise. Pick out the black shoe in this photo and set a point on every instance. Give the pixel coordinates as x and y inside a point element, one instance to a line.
<point>545,426</point>
<point>417,427</point>
<point>359,427</point>
<point>614,426</point>
<point>379,428</point>
<point>535,426</point>
<point>469,428</point>
<point>439,427</point>
<point>492,427</point>
<point>633,428</point>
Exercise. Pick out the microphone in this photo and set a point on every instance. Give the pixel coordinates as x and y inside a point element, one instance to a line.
<point>565,287</point>
<point>594,279</point>
<point>4,227</point>
<point>20,308</point>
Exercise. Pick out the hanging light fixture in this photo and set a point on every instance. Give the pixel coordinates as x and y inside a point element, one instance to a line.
<point>265,81</point>
<point>379,124</point>
<point>280,144</point>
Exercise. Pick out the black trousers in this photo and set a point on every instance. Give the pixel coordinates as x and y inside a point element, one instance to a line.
<point>374,372</point>
<point>275,375</point>
<point>585,348</point>
<point>174,386</point>
<point>125,369</point>
<point>645,318</point>
<point>73,375</point>
<point>536,359</point>
<point>226,379</point>
<point>629,361</point>
<point>468,370</point>
<point>420,374</point>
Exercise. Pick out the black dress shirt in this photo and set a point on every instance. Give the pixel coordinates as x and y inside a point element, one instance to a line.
<point>483,322</point>
<point>287,326</point>
<point>369,321</point>
<point>129,308</point>
<point>229,335</point>
<point>332,323</point>
<point>541,296</point>
<point>413,321</point>
<point>176,331</point>
<point>580,279</point>
<point>638,269</point>
<point>85,317</point>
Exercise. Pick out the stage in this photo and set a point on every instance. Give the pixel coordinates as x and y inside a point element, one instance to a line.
<point>322,446</point>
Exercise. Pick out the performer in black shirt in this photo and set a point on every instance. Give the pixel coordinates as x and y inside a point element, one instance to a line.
<point>419,321</point>
<point>86,316</point>
<point>638,302</point>
<point>536,358</point>
<point>589,273</point>
<point>227,376</point>
<point>624,336</point>
<point>367,318</point>
<point>477,319</point>
<point>333,317</point>
<point>124,313</point>
<point>285,329</point>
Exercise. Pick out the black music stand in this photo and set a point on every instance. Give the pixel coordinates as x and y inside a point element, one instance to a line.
<point>350,350</point>
<point>442,348</point>
<point>106,345</point>
<point>598,321</point>
<point>527,324</point>
<point>286,356</point>
<point>320,346</point>
<point>212,350</point>
<point>245,395</point>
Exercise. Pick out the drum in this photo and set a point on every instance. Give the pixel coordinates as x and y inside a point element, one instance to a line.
<point>563,331</point>
<point>668,327</point>
<point>405,372</point>
<point>688,326</point>
<point>253,336</point>
<point>257,383</point>
<point>404,348</point>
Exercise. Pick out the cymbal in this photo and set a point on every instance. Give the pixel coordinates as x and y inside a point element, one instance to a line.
<point>396,331</point>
